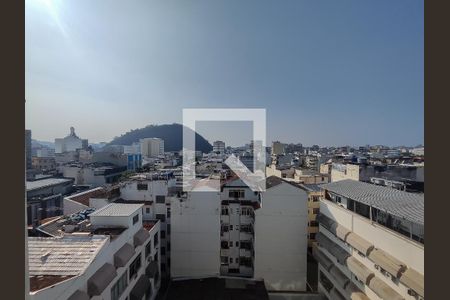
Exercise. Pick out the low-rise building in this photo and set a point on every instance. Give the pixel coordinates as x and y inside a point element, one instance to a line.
<point>43,163</point>
<point>111,254</point>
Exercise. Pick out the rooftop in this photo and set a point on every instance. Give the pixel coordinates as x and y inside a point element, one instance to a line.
<point>52,260</point>
<point>47,182</point>
<point>84,197</point>
<point>116,210</point>
<point>409,206</point>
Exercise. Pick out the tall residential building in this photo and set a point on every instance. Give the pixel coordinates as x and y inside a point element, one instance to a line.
<point>106,254</point>
<point>314,195</point>
<point>241,233</point>
<point>370,242</point>
<point>70,143</point>
<point>219,147</point>
<point>152,147</point>
<point>28,149</point>
<point>277,148</point>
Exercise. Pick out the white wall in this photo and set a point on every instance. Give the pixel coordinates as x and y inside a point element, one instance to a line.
<point>195,235</point>
<point>281,238</point>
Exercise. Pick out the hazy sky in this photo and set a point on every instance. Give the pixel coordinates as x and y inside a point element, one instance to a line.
<point>328,72</point>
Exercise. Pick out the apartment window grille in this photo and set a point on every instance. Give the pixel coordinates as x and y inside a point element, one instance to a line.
<point>236,194</point>
<point>148,248</point>
<point>135,219</point>
<point>142,187</point>
<point>135,266</point>
<point>160,199</point>
<point>224,260</point>
<point>119,287</point>
<point>224,211</point>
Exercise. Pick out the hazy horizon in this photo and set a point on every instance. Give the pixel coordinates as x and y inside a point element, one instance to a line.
<point>327,73</point>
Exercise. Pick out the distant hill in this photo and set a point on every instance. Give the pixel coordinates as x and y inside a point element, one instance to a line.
<point>172,134</point>
<point>39,144</point>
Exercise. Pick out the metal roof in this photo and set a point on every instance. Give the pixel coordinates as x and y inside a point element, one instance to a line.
<point>409,206</point>
<point>38,184</point>
<point>116,210</point>
<point>62,256</point>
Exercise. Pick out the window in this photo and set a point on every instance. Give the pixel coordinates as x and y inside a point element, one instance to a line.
<point>160,199</point>
<point>236,227</point>
<point>168,228</point>
<point>231,227</point>
<point>237,244</point>
<point>148,248</point>
<point>119,287</point>
<point>163,267</point>
<point>156,240</point>
<point>236,194</point>
<point>231,244</point>
<point>224,260</point>
<point>135,219</point>
<point>163,234</point>
<point>142,187</point>
<point>312,236</point>
<point>161,217</point>
<point>147,210</point>
<point>168,246</point>
<point>315,210</point>
<point>224,210</point>
<point>155,257</point>
<point>163,250</point>
<point>135,266</point>
<point>231,260</point>
<point>168,212</point>
<point>237,260</point>
<point>314,223</point>
<point>315,198</point>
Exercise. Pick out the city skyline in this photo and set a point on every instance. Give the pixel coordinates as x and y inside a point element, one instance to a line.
<point>327,73</point>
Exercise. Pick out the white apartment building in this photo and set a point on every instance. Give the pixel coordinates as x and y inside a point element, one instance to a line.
<point>219,146</point>
<point>152,147</point>
<point>241,233</point>
<point>370,242</point>
<point>70,143</point>
<point>344,171</point>
<point>153,191</point>
<point>112,255</point>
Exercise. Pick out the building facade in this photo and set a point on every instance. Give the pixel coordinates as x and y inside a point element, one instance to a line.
<point>113,255</point>
<point>219,147</point>
<point>152,147</point>
<point>70,143</point>
<point>371,242</point>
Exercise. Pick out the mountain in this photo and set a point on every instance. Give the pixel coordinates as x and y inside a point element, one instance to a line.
<point>39,144</point>
<point>172,134</point>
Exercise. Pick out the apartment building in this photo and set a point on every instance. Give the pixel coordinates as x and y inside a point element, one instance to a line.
<point>278,148</point>
<point>344,171</point>
<point>370,242</point>
<point>70,143</point>
<point>219,147</point>
<point>152,147</point>
<point>45,198</point>
<point>43,163</point>
<point>153,191</point>
<point>108,254</point>
<point>241,233</point>
<point>314,194</point>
